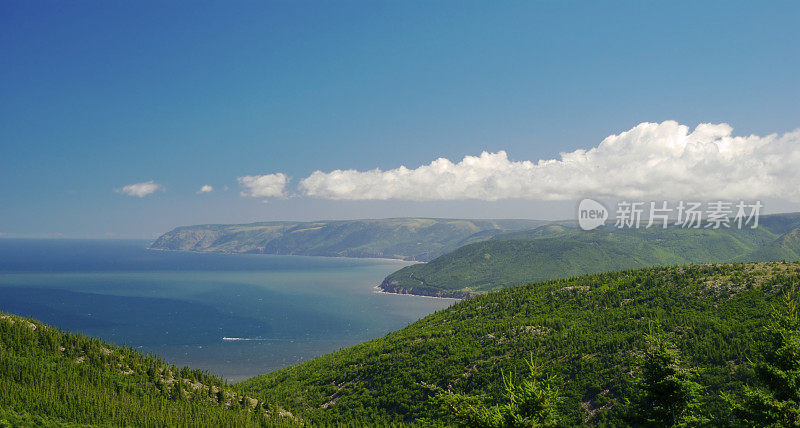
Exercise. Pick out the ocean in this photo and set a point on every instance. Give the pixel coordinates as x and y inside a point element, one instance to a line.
<point>235,315</point>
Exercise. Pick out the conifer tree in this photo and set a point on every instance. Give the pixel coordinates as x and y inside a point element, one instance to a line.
<point>528,403</point>
<point>776,402</point>
<point>667,394</point>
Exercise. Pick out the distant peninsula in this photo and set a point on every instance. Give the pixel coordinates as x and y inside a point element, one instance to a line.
<point>411,239</point>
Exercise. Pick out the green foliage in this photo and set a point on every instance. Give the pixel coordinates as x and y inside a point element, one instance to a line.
<point>528,403</point>
<point>556,251</point>
<point>52,378</point>
<point>776,402</point>
<point>669,397</point>
<point>418,239</point>
<point>786,247</point>
<point>598,362</point>
<point>587,331</point>
<point>12,419</point>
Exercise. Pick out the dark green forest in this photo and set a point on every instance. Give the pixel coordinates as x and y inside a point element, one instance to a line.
<point>52,378</point>
<point>588,335</point>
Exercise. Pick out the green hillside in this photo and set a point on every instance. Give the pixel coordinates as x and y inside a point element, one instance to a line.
<point>785,247</point>
<point>588,334</point>
<point>560,251</point>
<point>399,238</point>
<point>51,378</point>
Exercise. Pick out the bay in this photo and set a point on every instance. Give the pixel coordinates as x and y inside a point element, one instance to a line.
<point>236,315</point>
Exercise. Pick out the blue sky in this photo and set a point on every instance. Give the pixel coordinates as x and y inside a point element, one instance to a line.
<point>98,95</point>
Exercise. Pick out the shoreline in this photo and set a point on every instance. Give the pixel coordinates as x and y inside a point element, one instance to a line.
<point>441,294</point>
<point>382,259</point>
<point>378,290</point>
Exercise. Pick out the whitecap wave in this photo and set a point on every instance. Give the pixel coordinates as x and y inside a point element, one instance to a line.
<point>236,339</point>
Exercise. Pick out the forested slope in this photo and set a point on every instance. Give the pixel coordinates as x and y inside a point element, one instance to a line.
<point>587,332</point>
<point>51,378</point>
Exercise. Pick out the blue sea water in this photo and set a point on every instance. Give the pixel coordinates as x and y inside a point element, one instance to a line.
<point>235,315</point>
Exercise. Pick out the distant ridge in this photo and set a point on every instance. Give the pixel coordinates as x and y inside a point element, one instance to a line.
<point>415,239</point>
<point>555,251</point>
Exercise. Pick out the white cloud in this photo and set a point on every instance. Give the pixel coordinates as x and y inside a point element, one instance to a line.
<point>652,160</point>
<point>263,186</point>
<point>141,189</point>
<point>205,189</point>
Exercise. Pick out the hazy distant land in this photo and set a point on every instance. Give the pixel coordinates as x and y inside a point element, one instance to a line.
<point>469,257</point>
<point>414,239</point>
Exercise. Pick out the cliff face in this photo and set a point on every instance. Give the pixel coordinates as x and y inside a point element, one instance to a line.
<point>393,286</point>
<point>187,239</point>
<point>217,238</point>
<point>417,239</point>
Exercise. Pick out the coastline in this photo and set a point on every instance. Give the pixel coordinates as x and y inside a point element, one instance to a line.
<point>442,294</point>
<point>378,290</point>
<point>382,259</point>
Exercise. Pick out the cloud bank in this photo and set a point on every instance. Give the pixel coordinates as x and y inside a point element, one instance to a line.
<point>207,188</point>
<point>141,189</point>
<point>263,186</point>
<point>652,160</point>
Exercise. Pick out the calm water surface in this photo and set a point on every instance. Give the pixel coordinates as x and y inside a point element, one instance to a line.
<point>235,315</point>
